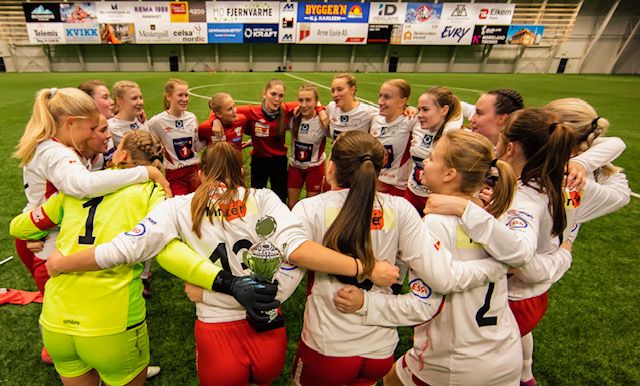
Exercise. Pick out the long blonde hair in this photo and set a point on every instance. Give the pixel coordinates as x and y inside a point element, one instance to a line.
<point>473,156</point>
<point>586,124</point>
<point>221,164</point>
<point>49,109</point>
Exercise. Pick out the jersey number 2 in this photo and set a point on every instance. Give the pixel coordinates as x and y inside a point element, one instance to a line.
<point>481,319</point>
<point>88,238</point>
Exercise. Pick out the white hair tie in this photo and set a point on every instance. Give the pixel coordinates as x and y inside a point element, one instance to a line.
<point>52,92</point>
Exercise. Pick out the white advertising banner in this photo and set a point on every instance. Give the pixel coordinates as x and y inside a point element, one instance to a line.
<point>161,33</point>
<point>454,34</point>
<point>332,33</point>
<point>387,13</point>
<point>421,23</point>
<point>489,13</point>
<point>46,33</point>
<point>151,12</point>
<point>459,12</point>
<point>287,27</point>
<point>116,11</point>
<point>243,12</point>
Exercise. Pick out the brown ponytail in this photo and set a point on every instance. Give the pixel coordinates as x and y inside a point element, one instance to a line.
<point>358,159</point>
<point>221,164</point>
<point>442,96</point>
<point>547,146</point>
<point>473,157</point>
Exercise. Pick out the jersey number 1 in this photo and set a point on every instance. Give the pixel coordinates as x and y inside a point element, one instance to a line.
<point>481,319</point>
<point>88,238</point>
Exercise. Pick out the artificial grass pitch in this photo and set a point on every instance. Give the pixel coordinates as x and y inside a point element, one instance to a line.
<point>588,337</point>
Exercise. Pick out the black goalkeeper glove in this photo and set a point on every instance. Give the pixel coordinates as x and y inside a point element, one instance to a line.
<point>254,295</point>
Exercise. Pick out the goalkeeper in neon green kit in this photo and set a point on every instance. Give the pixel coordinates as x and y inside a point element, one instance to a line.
<point>94,322</point>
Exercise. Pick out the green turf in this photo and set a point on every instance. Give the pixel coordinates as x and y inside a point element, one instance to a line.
<point>589,336</point>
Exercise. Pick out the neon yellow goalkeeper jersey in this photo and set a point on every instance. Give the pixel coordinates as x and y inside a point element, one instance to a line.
<point>91,303</point>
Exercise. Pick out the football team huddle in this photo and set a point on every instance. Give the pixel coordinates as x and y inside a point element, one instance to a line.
<point>473,207</point>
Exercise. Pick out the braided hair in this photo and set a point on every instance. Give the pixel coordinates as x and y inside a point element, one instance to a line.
<point>145,150</point>
<point>507,100</point>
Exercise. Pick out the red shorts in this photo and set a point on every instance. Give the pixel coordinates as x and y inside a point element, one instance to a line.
<point>389,189</point>
<point>35,265</point>
<point>233,353</point>
<point>184,180</point>
<point>310,368</point>
<point>418,202</point>
<point>311,177</point>
<point>529,312</point>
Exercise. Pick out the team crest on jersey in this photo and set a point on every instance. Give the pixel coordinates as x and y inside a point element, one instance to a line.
<point>336,133</point>
<point>377,220</point>
<point>304,128</point>
<point>179,124</point>
<point>137,230</point>
<point>303,151</point>
<point>344,118</point>
<point>134,126</point>
<point>182,147</point>
<point>418,172</point>
<point>420,289</point>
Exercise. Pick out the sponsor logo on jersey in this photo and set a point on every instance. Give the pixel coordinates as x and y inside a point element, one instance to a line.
<point>427,140</point>
<point>134,126</point>
<point>388,158</point>
<point>574,199</point>
<point>71,321</point>
<point>377,220</point>
<point>420,289</point>
<point>304,128</point>
<point>516,223</point>
<point>179,124</point>
<point>137,230</point>
<point>436,245</point>
<point>344,118</point>
<point>231,211</point>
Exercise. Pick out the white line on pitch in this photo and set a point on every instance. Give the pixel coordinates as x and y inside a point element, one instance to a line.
<point>328,88</point>
<point>5,260</point>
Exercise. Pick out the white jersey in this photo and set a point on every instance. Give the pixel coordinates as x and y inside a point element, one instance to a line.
<point>474,340</point>
<point>224,245</point>
<point>308,149</point>
<point>422,143</point>
<point>179,135</point>
<point>600,196</point>
<point>396,230</point>
<point>56,167</point>
<point>395,137</point>
<point>119,128</point>
<point>358,118</point>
